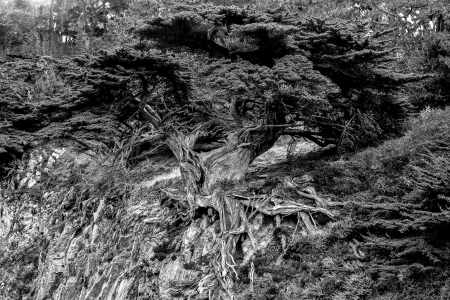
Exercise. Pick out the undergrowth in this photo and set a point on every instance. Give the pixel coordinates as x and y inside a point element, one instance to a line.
<point>48,84</point>
<point>390,240</point>
<point>392,168</point>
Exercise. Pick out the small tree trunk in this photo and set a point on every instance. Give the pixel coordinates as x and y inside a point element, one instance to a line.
<point>205,173</point>
<point>207,178</point>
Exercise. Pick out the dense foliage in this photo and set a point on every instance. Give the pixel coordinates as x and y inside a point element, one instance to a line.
<point>149,170</point>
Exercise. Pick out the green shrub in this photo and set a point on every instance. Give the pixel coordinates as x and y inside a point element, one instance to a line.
<point>435,58</point>
<point>49,83</point>
<point>417,161</point>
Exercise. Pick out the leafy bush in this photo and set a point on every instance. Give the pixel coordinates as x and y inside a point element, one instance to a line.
<point>393,168</point>
<point>49,83</point>
<point>435,92</point>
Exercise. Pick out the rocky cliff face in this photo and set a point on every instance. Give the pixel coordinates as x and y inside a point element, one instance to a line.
<point>96,230</point>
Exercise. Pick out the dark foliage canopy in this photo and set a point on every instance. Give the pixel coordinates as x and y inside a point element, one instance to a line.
<point>266,74</point>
